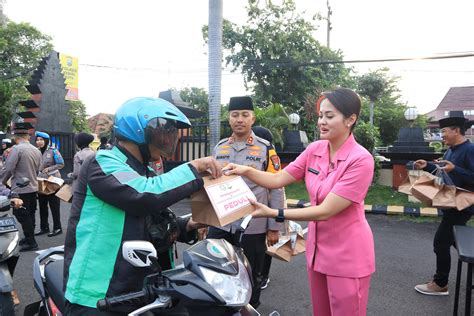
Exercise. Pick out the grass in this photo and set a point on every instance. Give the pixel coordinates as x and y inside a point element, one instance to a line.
<point>377,195</point>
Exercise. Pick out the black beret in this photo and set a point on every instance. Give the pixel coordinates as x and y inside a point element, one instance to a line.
<point>83,140</point>
<point>240,103</point>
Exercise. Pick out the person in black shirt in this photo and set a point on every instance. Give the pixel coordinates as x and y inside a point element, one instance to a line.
<point>458,162</point>
<point>104,143</point>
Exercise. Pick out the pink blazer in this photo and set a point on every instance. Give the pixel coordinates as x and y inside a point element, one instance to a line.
<point>343,245</point>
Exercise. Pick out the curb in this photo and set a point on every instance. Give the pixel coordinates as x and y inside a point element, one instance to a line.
<point>382,209</point>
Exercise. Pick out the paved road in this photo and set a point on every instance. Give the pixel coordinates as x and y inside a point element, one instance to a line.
<point>404,258</point>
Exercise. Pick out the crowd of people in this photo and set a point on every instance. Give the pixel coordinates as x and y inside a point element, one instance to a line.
<point>125,193</point>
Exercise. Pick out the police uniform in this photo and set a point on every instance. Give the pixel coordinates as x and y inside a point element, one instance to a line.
<point>51,163</point>
<point>257,153</point>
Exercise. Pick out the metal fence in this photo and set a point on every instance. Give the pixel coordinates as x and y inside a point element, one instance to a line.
<point>194,143</point>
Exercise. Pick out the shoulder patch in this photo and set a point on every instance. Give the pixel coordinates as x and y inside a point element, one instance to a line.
<point>222,141</point>
<point>263,141</point>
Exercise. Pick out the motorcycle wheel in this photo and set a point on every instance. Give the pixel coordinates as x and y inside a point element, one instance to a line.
<point>6,304</point>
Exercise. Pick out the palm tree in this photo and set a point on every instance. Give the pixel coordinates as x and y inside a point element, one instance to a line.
<point>215,75</point>
<point>275,119</point>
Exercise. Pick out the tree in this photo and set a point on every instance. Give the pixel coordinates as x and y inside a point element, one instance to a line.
<point>278,55</point>
<point>372,86</point>
<point>5,110</point>
<point>197,97</point>
<point>275,119</point>
<point>389,111</point>
<point>78,114</point>
<point>21,48</point>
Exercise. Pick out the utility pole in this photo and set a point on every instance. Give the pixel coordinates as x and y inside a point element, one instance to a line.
<point>215,70</point>
<point>3,17</point>
<point>329,24</point>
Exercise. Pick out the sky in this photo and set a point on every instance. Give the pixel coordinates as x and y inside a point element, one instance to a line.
<point>139,48</point>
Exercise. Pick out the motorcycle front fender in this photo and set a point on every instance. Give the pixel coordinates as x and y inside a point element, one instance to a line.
<point>248,310</point>
<point>6,280</point>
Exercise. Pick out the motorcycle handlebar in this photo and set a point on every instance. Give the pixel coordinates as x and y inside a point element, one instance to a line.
<point>131,299</point>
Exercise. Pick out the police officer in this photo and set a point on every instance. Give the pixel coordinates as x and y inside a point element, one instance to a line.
<point>24,162</point>
<point>51,163</point>
<point>245,148</point>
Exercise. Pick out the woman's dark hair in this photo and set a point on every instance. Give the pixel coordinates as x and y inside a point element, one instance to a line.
<point>345,101</point>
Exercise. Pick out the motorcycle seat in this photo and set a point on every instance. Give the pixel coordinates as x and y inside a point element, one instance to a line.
<point>54,282</point>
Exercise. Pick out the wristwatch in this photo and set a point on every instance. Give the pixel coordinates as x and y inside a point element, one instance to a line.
<point>280,218</point>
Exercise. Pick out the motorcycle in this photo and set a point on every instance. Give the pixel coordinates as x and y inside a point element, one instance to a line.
<point>9,250</point>
<point>214,279</point>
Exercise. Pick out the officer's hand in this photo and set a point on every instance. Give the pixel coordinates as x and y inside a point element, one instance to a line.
<point>16,203</point>
<point>272,237</point>
<point>420,164</point>
<point>234,168</point>
<point>207,164</point>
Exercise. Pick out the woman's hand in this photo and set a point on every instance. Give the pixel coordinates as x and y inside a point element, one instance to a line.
<point>261,210</point>
<point>234,168</point>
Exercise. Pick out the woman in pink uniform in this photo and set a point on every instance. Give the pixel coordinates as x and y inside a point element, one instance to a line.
<point>337,172</point>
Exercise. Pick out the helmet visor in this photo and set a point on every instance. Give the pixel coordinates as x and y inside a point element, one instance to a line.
<point>163,134</point>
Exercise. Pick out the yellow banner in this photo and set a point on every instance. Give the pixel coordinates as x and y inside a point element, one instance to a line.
<point>70,66</point>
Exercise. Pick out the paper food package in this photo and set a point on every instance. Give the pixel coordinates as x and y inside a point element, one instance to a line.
<point>222,201</point>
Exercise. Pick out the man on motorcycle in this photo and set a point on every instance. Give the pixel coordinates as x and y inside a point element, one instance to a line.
<point>118,198</point>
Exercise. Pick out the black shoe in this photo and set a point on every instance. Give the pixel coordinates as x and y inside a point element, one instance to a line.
<point>42,232</point>
<point>265,282</point>
<point>55,232</point>
<point>28,247</point>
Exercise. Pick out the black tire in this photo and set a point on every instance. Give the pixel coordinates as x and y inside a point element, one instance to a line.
<point>6,305</point>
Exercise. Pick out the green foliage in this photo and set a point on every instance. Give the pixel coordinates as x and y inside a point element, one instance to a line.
<point>437,145</point>
<point>389,110</point>
<point>5,109</point>
<point>277,54</point>
<point>372,85</point>
<point>275,119</point>
<point>197,97</point>
<point>78,114</point>
<point>366,135</point>
<point>21,48</point>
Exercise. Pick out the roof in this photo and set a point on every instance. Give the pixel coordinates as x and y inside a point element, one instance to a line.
<point>457,99</point>
<point>173,97</point>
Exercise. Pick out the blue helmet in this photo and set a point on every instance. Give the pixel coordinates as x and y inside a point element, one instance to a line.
<point>42,135</point>
<point>150,121</point>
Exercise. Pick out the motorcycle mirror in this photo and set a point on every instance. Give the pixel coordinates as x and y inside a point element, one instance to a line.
<point>138,253</point>
<point>22,182</point>
<point>245,222</point>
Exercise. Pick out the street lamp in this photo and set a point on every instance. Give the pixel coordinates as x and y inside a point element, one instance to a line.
<point>294,119</point>
<point>411,114</point>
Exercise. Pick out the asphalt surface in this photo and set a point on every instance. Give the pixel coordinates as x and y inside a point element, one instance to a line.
<point>404,258</point>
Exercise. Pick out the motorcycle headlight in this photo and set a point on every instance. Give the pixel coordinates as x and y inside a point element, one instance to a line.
<point>11,247</point>
<point>234,289</point>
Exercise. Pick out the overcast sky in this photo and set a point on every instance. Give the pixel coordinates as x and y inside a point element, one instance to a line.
<point>153,45</point>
